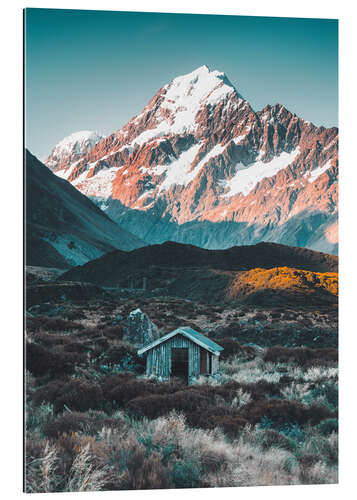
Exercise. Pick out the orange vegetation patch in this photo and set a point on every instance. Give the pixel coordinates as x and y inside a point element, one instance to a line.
<point>282,278</point>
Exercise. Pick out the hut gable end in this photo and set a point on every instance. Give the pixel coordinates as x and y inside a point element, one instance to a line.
<point>183,352</point>
<point>189,333</point>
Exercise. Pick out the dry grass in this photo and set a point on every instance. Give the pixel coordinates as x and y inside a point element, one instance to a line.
<point>166,453</point>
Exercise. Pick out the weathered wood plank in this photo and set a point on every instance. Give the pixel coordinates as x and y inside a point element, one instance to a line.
<point>159,360</point>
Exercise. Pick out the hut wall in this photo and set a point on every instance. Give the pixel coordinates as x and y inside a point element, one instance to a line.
<point>158,361</point>
<point>215,364</point>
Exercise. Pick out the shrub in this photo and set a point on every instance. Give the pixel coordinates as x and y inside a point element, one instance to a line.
<point>156,405</point>
<point>281,412</point>
<point>89,423</point>
<point>75,314</point>
<point>51,339</point>
<point>216,393</point>
<point>262,389</point>
<point>260,316</point>
<point>145,472</point>
<point>119,351</point>
<point>114,332</point>
<point>233,348</point>
<point>41,361</point>
<point>328,426</point>
<point>257,390</point>
<point>90,333</point>
<point>119,392</point>
<point>303,356</point>
<point>76,347</point>
<point>53,324</point>
<point>231,389</point>
<point>76,394</point>
<point>80,395</point>
<point>230,424</point>
<point>206,418</point>
<point>66,423</point>
<point>120,388</point>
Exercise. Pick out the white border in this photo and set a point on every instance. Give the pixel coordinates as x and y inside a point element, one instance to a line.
<point>11,241</point>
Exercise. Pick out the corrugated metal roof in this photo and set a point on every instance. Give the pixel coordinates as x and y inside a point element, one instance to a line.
<point>191,334</point>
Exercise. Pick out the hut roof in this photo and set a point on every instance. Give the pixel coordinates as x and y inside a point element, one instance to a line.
<point>189,333</point>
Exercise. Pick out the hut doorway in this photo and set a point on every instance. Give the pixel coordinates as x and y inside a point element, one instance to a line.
<point>179,363</point>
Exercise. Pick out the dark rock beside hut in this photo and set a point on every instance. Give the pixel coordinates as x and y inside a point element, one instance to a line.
<point>139,329</point>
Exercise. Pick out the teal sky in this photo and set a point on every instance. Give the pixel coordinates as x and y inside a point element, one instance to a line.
<point>94,70</point>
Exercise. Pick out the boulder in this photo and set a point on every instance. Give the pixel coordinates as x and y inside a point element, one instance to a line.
<point>139,329</point>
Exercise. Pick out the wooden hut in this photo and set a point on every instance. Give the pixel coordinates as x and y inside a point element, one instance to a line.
<point>182,353</point>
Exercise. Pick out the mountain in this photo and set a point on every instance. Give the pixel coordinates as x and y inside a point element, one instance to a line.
<point>198,165</point>
<point>63,227</point>
<point>71,149</point>
<point>266,273</point>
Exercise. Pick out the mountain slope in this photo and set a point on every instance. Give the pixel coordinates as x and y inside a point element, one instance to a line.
<point>63,227</point>
<point>268,287</point>
<point>198,153</point>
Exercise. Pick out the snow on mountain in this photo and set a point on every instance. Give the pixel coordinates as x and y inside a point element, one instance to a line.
<point>247,177</point>
<point>71,148</point>
<point>199,152</point>
<point>314,174</point>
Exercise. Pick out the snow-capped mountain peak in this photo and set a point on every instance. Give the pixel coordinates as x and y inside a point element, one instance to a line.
<point>186,94</point>
<point>199,152</point>
<point>78,138</point>
<point>71,148</point>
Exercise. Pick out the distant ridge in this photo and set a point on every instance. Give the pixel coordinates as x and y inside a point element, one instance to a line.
<point>117,267</point>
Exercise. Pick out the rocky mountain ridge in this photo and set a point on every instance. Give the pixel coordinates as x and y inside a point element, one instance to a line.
<point>198,158</point>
